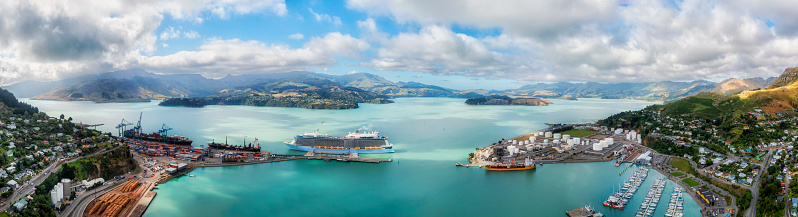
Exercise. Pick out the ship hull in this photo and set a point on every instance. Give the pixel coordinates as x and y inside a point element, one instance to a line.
<point>232,147</point>
<point>338,151</point>
<point>492,168</point>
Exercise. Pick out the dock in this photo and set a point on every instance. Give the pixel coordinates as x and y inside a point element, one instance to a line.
<point>353,157</point>
<point>585,211</point>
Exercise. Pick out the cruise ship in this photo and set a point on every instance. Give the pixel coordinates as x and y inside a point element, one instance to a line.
<point>355,142</point>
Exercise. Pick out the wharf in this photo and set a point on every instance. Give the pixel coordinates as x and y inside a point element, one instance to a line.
<point>144,202</point>
<point>351,158</point>
<point>580,212</point>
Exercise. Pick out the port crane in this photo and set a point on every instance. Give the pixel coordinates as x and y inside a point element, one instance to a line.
<point>164,131</point>
<point>121,127</point>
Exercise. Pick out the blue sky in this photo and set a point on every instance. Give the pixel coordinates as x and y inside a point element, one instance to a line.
<point>456,44</point>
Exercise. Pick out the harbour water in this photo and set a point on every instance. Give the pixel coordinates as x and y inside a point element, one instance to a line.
<point>430,135</point>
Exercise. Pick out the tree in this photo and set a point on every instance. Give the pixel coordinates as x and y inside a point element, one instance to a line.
<point>62,116</point>
<point>70,119</point>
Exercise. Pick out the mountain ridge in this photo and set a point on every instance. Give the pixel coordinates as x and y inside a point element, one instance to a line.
<point>147,85</point>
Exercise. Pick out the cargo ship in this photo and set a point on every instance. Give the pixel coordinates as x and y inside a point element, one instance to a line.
<point>158,137</point>
<point>527,165</point>
<point>253,147</point>
<point>354,142</point>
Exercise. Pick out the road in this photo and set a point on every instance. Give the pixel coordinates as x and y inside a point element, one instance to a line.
<point>79,204</point>
<point>29,186</point>
<point>751,212</point>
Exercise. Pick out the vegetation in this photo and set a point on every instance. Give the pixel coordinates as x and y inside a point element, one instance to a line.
<point>690,182</point>
<point>311,94</point>
<point>505,100</point>
<point>767,205</point>
<point>677,174</point>
<point>578,132</point>
<point>17,107</point>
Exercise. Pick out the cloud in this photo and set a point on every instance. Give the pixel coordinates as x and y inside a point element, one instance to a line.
<point>539,19</point>
<point>436,49</point>
<point>588,40</point>
<point>191,34</point>
<point>46,39</point>
<point>326,18</point>
<point>218,57</point>
<point>296,36</point>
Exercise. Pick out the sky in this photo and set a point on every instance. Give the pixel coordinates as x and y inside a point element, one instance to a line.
<point>460,44</point>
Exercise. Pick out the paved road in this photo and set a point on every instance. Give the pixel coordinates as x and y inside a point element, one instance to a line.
<point>79,204</point>
<point>751,212</point>
<point>29,186</point>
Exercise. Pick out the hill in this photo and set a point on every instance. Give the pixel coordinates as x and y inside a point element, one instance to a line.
<point>779,97</point>
<point>789,76</point>
<point>664,91</point>
<point>311,93</point>
<point>504,100</point>
<point>137,89</point>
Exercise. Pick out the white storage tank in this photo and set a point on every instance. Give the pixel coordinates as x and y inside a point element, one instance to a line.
<point>548,134</point>
<point>557,136</point>
<point>566,137</point>
<point>597,147</point>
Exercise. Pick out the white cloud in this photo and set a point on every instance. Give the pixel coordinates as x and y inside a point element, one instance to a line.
<point>537,18</point>
<point>191,34</point>
<point>588,40</point>
<point>296,36</point>
<point>46,39</point>
<point>171,32</point>
<point>436,49</point>
<point>335,20</point>
<point>218,57</point>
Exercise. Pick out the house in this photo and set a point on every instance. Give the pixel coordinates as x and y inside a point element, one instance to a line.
<point>11,169</point>
<point>19,176</point>
<point>12,184</point>
<point>19,206</point>
<point>9,153</point>
<point>3,174</point>
<point>794,202</point>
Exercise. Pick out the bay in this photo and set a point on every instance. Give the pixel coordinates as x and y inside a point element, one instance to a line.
<point>429,134</point>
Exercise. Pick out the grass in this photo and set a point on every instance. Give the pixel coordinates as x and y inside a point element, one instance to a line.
<point>690,182</point>
<point>578,133</point>
<point>680,164</point>
<point>677,174</point>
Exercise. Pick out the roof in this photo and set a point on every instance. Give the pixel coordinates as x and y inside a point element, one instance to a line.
<point>23,202</point>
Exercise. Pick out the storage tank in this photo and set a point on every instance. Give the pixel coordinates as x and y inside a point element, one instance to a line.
<point>557,136</point>
<point>548,134</point>
<point>610,141</point>
<point>597,147</point>
<point>556,141</point>
<point>566,137</point>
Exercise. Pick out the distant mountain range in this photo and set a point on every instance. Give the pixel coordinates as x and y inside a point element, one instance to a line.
<point>139,85</point>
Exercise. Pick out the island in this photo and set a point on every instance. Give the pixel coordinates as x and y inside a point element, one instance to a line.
<point>505,100</point>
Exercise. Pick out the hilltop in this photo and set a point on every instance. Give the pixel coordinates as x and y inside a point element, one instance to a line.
<point>311,93</point>
<point>782,96</point>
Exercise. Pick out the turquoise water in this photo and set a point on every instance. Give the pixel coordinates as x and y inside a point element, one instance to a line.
<point>429,134</point>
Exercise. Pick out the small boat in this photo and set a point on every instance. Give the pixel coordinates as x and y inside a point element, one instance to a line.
<point>190,175</point>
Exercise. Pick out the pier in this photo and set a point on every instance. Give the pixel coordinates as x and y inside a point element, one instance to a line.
<point>585,211</point>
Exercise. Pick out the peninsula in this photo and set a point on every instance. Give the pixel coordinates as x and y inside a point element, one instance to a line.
<point>505,100</point>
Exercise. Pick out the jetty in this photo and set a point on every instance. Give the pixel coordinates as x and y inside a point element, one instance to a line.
<point>585,211</point>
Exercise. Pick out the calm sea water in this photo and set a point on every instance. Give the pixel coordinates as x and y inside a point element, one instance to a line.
<point>430,135</point>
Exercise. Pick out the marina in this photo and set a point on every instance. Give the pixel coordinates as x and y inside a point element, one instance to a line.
<point>620,198</point>
<point>651,201</point>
